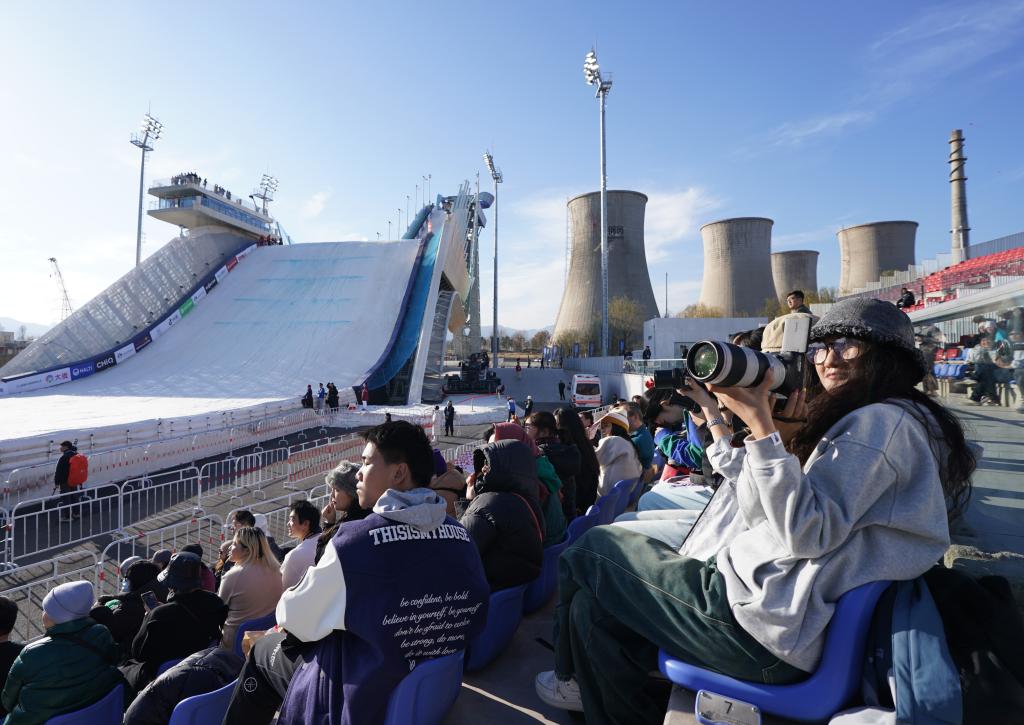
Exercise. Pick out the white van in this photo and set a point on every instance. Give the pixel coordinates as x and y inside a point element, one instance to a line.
<point>585,391</point>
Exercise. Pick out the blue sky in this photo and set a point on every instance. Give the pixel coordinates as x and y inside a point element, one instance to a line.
<point>817,115</point>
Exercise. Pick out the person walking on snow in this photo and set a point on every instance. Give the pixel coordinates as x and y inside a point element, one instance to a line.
<point>511,409</point>
<point>449,419</point>
<point>365,395</point>
<point>435,424</point>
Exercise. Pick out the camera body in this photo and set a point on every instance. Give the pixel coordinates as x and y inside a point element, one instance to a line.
<point>727,365</point>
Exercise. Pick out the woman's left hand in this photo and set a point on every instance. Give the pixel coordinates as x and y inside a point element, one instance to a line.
<point>752,405</point>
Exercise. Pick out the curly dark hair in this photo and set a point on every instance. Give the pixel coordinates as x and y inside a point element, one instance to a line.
<point>885,372</point>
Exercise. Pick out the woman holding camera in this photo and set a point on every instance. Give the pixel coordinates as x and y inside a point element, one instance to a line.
<point>858,492</point>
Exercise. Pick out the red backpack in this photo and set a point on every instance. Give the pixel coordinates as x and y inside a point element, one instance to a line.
<point>78,470</point>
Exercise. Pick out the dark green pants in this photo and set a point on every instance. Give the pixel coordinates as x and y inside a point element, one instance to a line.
<point>622,595</point>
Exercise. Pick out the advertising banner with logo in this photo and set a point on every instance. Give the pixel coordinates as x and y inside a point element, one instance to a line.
<point>187,307</point>
<point>245,252</point>
<point>167,323</point>
<point>82,371</point>
<point>142,340</point>
<point>232,263</point>
<point>199,294</point>
<point>105,362</point>
<point>210,285</point>
<point>220,275</point>
<point>124,353</point>
<point>38,381</point>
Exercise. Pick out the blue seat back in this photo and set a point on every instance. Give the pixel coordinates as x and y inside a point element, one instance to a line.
<point>625,489</point>
<point>609,504</point>
<point>937,369</point>
<point>826,691</point>
<point>108,710</point>
<point>425,695</point>
<point>504,613</point>
<point>540,589</point>
<point>582,524</point>
<point>207,709</point>
<point>260,624</point>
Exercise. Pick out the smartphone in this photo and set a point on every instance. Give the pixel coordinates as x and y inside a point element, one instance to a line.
<point>150,600</point>
<point>712,709</point>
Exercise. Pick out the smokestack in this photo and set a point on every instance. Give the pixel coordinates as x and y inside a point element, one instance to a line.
<point>737,265</point>
<point>795,270</point>
<point>580,311</point>
<point>961,232</point>
<point>867,250</point>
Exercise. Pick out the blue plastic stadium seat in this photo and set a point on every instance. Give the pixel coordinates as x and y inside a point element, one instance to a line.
<point>609,504</point>
<point>638,489</point>
<point>625,489</point>
<point>426,694</point>
<point>260,624</point>
<point>109,710</point>
<point>825,692</point>
<point>539,591</point>
<point>166,666</point>
<point>207,709</point>
<point>582,524</point>
<point>504,613</point>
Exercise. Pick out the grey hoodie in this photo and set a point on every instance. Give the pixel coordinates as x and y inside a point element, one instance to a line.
<point>867,506</point>
<point>421,508</point>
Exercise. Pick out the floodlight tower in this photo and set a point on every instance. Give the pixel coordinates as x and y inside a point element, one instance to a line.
<point>498,178</point>
<point>150,132</point>
<point>265,191</point>
<point>592,74</point>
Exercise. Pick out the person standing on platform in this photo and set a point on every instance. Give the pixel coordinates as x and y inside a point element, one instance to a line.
<point>365,395</point>
<point>511,409</point>
<point>320,395</point>
<point>527,407</point>
<point>449,419</point>
<point>435,424</point>
<point>68,493</point>
<point>561,390</point>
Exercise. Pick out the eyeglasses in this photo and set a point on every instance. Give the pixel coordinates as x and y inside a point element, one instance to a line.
<point>845,348</point>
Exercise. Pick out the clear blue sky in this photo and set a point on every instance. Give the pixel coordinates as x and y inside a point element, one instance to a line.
<point>817,115</point>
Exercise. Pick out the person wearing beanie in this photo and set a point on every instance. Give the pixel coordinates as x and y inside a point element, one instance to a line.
<point>190,620</point>
<point>616,452</point>
<point>123,613</point>
<point>852,482</point>
<point>70,667</point>
<point>68,494</point>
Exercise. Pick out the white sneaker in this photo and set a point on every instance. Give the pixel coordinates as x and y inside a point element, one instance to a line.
<point>563,694</point>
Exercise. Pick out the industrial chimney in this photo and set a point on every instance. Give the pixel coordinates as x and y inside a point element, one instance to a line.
<point>867,250</point>
<point>795,270</point>
<point>961,232</point>
<point>737,265</point>
<point>580,311</point>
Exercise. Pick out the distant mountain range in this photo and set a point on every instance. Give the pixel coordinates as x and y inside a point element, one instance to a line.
<point>485,330</point>
<point>32,329</point>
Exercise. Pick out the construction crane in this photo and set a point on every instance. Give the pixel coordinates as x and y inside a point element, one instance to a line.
<point>65,303</point>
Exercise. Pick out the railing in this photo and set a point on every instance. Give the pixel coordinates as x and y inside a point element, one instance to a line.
<point>29,598</point>
<point>619,364</point>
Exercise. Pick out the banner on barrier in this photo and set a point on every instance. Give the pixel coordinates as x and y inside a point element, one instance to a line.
<point>198,295</point>
<point>38,381</point>
<point>105,362</point>
<point>165,325</point>
<point>124,353</point>
<point>210,284</point>
<point>245,252</point>
<point>220,274</point>
<point>187,307</point>
<point>231,263</point>
<point>142,340</point>
<point>82,371</point>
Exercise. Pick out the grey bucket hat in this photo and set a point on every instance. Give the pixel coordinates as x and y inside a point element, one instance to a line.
<point>872,320</point>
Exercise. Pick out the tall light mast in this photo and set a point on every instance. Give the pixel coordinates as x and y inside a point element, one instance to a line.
<point>498,178</point>
<point>150,132</point>
<point>65,301</point>
<point>592,74</point>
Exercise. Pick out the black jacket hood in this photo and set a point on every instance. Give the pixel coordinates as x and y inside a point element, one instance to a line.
<point>511,469</point>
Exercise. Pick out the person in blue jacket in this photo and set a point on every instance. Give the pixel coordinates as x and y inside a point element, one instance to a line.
<point>402,586</point>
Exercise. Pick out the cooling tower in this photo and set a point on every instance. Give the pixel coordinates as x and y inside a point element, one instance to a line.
<point>795,270</point>
<point>867,250</point>
<point>580,310</point>
<point>737,265</point>
<point>960,232</point>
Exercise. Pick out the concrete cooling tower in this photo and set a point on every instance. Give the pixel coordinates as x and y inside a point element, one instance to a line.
<point>580,310</point>
<point>795,270</point>
<point>867,250</point>
<point>737,265</point>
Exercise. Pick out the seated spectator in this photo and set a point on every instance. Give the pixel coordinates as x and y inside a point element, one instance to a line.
<point>550,490</point>
<point>906,300</point>
<point>70,667</point>
<point>502,514</point>
<point>638,433</point>
<point>162,558</point>
<point>807,511</point>
<point>207,578</point>
<point>988,368</point>
<point>123,613</point>
<point>242,518</point>
<point>343,505</point>
<point>187,623</point>
<point>252,587</point>
<point>570,427</point>
<point>542,429</point>
<point>8,650</point>
<point>344,624</point>
<point>198,674</point>
<point>450,485</point>
<point>616,452</point>
<point>304,527</point>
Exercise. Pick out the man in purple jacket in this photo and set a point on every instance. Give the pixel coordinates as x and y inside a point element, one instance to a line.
<point>401,586</point>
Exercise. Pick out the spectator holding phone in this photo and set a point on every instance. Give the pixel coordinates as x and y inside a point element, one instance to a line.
<point>123,613</point>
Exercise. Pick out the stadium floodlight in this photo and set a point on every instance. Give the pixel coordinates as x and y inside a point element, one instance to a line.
<point>265,191</point>
<point>592,74</point>
<point>497,178</point>
<point>150,131</point>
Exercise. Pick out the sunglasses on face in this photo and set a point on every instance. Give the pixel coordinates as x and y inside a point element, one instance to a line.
<point>844,348</point>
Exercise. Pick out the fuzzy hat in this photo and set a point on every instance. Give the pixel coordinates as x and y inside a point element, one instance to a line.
<point>872,320</point>
<point>66,602</point>
<point>343,477</point>
<point>615,417</point>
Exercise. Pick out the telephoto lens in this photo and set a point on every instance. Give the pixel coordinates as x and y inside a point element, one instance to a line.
<point>731,366</point>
